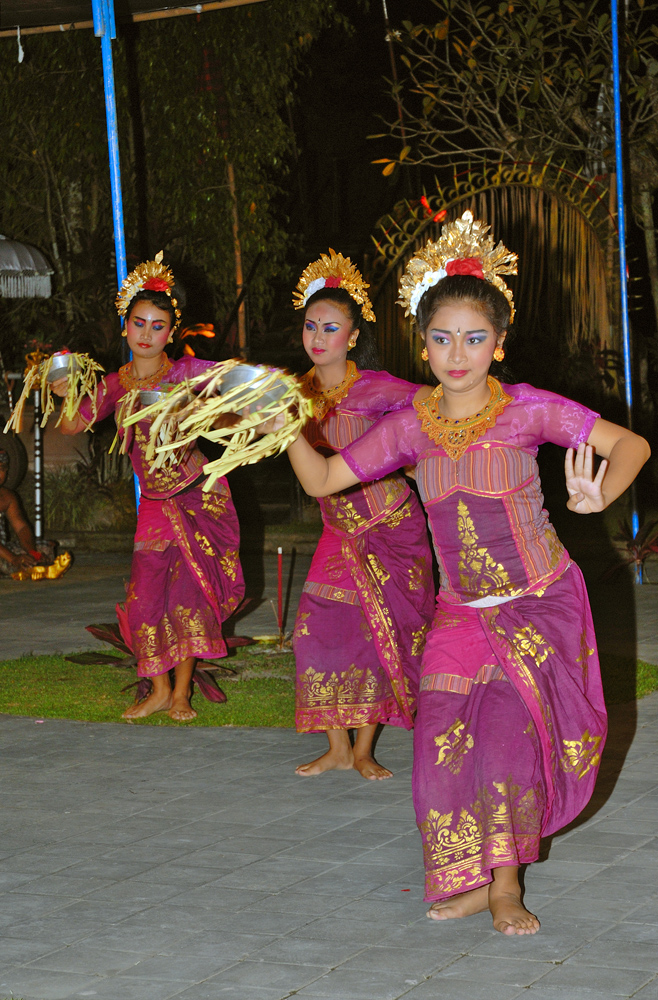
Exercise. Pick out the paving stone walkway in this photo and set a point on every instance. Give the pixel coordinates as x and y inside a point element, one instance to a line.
<point>139,863</point>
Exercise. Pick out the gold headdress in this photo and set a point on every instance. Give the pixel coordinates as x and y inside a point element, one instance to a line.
<point>153,276</point>
<point>333,271</point>
<point>462,248</point>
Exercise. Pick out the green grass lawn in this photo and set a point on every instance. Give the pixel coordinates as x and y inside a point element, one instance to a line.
<point>260,692</point>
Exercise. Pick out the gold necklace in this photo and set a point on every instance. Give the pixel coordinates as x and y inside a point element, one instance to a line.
<point>130,381</point>
<point>326,399</point>
<point>455,436</point>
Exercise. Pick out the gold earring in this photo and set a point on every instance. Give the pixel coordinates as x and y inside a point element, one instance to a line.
<point>170,338</point>
<point>424,355</point>
<point>499,354</point>
<point>124,332</point>
<point>351,344</point>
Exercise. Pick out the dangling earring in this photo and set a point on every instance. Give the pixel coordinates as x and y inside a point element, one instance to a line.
<point>351,344</point>
<point>124,332</point>
<point>499,354</point>
<point>170,338</point>
<point>424,355</point>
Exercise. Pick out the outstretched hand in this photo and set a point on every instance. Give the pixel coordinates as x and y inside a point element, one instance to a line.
<point>584,488</point>
<point>60,385</point>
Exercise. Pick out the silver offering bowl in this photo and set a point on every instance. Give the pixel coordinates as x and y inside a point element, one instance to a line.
<point>61,366</point>
<point>242,374</point>
<point>149,396</point>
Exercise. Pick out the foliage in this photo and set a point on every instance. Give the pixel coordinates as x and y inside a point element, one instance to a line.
<point>637,547</point>
<point>523,82</point>
<point>194,94</point>
<point>49,687</point>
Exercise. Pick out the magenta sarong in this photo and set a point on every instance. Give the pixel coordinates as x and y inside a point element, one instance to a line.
<point>511,720</point>
<point>369,596</point>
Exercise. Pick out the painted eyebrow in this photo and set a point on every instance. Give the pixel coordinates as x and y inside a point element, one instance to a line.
<point>467,333</point>
<point>145,319</point>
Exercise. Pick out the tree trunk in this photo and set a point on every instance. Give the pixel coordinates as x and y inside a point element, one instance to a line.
<point>237,250</point>
<point>646,213</point>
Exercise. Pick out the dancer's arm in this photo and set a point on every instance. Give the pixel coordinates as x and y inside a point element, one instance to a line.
<point>319,476</point>
<point>623,453</point>
<point>67,426</point>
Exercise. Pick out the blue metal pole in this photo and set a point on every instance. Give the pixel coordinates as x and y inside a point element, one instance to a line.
<point>105,29</point>
<point>621,224</point>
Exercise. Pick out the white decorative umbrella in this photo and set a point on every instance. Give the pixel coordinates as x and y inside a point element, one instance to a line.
<point>24,271</point>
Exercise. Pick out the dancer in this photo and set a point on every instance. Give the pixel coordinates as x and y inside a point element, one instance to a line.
<point>186,577</point>
<point>511,720</point>
<point>369,595</point>
<point>22,553</point>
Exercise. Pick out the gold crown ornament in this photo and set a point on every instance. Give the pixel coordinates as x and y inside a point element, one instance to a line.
<point>463,248</point>
<point>152,276</point>
<point>332,270</point>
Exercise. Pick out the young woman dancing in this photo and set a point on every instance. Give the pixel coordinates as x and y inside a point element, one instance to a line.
<point>186,577</point>
<point>511,720</point>
<point>369,595</point>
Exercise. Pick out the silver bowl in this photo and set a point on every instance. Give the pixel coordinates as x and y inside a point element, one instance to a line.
<point>149,396</point>
<point>61,366</point>
<point>242,374</point>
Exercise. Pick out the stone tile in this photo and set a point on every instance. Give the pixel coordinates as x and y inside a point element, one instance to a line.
<point>126,988</point>
<point>271,974</point>
<point>636,955</point>
<point>445,989</point>
<point>355,984</point>
<point>296,949</point>
<point>412,963</point>
<point>619,982</point>
<point>86,959</point>
<point>187,968</point>
<point>510,971</point>
<point>214,991</point>
<point>649,992</point>
<point>34,984</point>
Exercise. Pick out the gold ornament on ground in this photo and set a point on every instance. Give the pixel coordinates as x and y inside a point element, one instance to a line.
<point>345,274</point>
<point>324,400</point>
<point>53,572</point>
<point>82,375</point>
<point>455,436</point>
<point>149,271</point>
<point>464,238</point>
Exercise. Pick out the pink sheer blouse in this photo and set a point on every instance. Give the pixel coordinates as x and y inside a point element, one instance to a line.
<point>490,531</point>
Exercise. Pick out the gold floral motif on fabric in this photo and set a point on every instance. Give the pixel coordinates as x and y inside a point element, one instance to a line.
<point>325,400</point>
<point>162,480</point>
<point>501,826</point>
<point>585,652</point>
<point>418,573</point>
<point>214,503</point>
<point>581,756</point>
<point>478,571</point>
<point>453,746</point>
<point>204,545</point>
<point>418,639</point>
<point>229,606</point>
<point>455,436</point>
<point>365,630</point>
<point>344,514</point>
<point>555,547</point>
<point>301,628</point>
<point>230,562</point>
<point>377,567</point>
<point>529,642</point>
<point>334,567</point>
<point>394,519</point>
<point>354,687</point>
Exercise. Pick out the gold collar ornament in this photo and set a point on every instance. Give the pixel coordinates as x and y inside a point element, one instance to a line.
<point>324,400</point>
<point>152,276</point>
<point>463,248</point>
<point>455,436</point>
<point>332,270</point>
<point>128,380</point>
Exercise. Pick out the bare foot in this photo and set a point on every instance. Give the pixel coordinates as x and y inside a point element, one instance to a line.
<point>181,710</point>
<point>368,767</point>
<point>509,914</point>
<point>463,905</point>
<point>154,703</point>
<point>333,760</point>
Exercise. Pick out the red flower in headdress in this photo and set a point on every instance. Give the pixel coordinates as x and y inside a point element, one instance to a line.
<point>465,265</point>
<point>155,285</point>
<point>332,281</point>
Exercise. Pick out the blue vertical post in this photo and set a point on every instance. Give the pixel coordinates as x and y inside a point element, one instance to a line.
<point>105,29</point>
<point>621,226</point>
